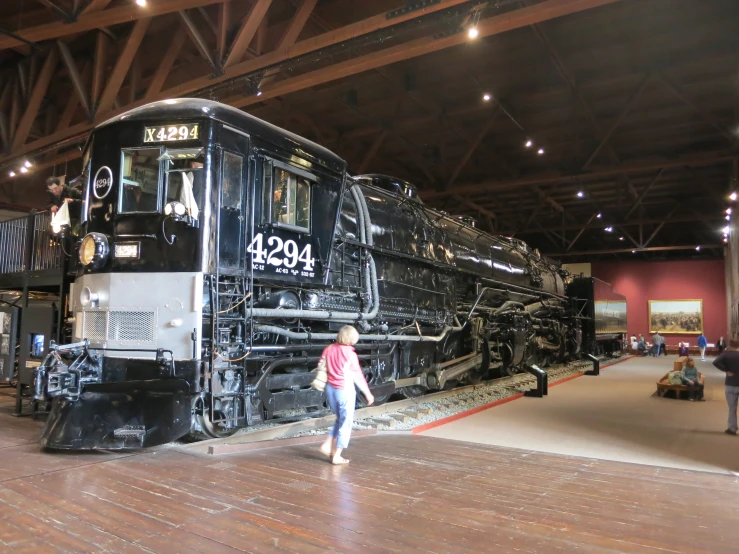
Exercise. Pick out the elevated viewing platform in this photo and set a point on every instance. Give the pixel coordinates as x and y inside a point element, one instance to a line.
<point>30,256</point>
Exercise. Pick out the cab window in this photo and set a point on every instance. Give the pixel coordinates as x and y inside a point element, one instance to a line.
<point>183,170</point>
<point>139,191</point>
<point>287,192</point>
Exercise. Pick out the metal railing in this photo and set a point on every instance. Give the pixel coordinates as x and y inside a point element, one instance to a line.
<point>26,244</point>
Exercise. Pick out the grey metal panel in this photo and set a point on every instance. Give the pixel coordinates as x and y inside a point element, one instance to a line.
<point>140,310</point>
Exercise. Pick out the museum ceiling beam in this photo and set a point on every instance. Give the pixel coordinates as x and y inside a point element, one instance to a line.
<point>246,32</point>
<point>494,25</point>
<point>569,78</point>
<point>705,116</point>
<point>76,77</point>
<point>59,12</point>
<point>689,218</point>
<point>65,119</point>
<point>580,232</point>
<point>473,147</point>
<point>297,24</point>
<point>372,151</point>
<point>165,66</point>
<point>200,43</point>
<point>34,103</point>
<point>122,65</point>
<point>95,6</point>
<point>628,250</point>
<point>702,159</point>
<point>105,18</point>
<point>224,24</point>
<point>659,227</point>
<point>644,193</point>
<point>619,118</point>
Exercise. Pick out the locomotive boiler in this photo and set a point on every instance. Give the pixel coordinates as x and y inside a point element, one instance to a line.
<point>218,255</point>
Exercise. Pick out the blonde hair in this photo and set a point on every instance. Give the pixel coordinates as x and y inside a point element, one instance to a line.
<point>690,362</point>
<point>347,335</point>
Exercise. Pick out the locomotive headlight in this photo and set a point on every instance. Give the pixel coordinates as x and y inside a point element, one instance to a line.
<point>175,208</point>
<point>94,250</point>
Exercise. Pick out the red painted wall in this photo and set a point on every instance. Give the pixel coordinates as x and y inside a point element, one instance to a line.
<point>640,282</point>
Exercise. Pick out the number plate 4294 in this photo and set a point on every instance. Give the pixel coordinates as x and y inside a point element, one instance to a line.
<point>171,133</point>
<point>285,257</point>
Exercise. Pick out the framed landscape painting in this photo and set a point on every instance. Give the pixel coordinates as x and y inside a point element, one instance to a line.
<point>676,316</point>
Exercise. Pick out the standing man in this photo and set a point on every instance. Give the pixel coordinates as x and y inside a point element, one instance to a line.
<point>58,194</point>
<point>659,342</point>
<point>728,362</point>
<point>721,345</point>
<point>702,343</point>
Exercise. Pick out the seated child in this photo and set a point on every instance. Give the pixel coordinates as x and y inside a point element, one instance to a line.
<point>693,379</point>
<point>682,350</point>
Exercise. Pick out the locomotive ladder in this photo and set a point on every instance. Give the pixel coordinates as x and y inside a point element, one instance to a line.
<point>229,296</point>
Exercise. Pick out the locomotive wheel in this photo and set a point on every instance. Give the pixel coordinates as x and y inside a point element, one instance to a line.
<point>201,415</point>
<point>413,392</point>
<point>362,401</point>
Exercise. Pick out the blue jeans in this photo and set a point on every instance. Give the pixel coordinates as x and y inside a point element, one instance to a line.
<point>342,403</point>
<point>732,396</point>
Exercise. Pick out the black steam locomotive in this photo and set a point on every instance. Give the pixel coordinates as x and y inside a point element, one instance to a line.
<point>219,254</point>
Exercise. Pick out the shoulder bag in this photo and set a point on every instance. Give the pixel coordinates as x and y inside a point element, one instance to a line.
<point>319,382</point>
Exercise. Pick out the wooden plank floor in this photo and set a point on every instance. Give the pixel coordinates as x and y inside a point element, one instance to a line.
<point>399,494</point>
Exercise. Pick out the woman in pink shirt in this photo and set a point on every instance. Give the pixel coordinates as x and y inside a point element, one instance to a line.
<point>343,372</point>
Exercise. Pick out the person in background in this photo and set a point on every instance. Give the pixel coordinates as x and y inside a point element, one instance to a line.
<point>728,362</point>
<point>659,344</point>
<point>642,346</point>
<point>702,343</point>
<point>682,350</point>
<point>58,194</point>
<point>721,345</point>
<point>694,380</point>
<point>343,372</point>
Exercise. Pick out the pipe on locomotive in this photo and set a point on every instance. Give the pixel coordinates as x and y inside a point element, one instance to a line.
<point>304,335</point>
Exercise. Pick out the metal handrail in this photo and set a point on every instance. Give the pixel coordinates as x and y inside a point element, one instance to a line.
<point>26,244</point>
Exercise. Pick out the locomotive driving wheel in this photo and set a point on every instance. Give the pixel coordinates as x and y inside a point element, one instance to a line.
<point>203,425</point>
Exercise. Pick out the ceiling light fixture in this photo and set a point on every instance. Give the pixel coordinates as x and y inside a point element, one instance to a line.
<point>726,230</point>
<point>580,194</point>
<point>633,251</point>
<point>726,240</point>
<point>732,196</point>
<point>540,151</point>
<point>24,169</point>
<point>529,143</point>
<point>12,173</point>
<point>486,97</point>
<point>599,215</point>
<point>472,32</point>
<point>141,3</point>
<point>728,211</point>
<point>609,229</point>
<point>620,238</point>
<point>728,218</point>
<point>698,248</point>
<point>27,163</point>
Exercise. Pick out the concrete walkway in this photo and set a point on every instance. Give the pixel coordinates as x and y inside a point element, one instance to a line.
<point>616,416</point>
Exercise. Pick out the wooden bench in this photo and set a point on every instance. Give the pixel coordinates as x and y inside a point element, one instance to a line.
<point>663,385</point>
